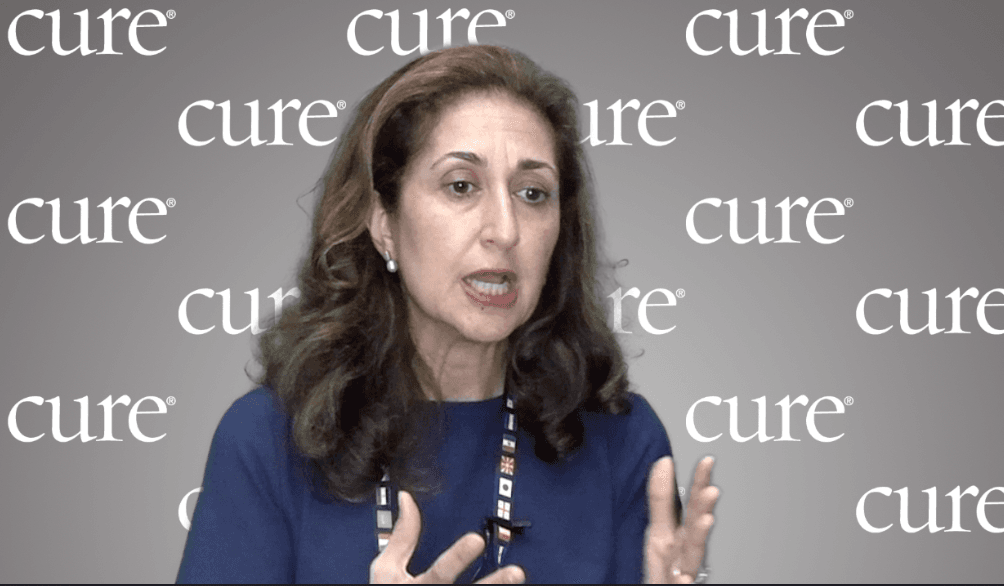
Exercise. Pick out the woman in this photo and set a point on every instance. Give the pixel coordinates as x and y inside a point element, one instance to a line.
<point>449,293</point>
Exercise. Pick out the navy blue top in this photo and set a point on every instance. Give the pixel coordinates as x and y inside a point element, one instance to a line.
<point>257,519</point>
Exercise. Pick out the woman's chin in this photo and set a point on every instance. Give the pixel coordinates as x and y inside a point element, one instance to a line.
<point>489,326</point>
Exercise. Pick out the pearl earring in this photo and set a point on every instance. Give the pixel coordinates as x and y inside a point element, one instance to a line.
<point>391,265</point>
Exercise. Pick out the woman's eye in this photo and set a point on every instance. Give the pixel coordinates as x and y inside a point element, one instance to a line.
<point>461,187</point>
<point>532,195</point>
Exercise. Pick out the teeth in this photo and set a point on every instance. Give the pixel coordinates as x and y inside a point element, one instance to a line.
<point>490,288</point>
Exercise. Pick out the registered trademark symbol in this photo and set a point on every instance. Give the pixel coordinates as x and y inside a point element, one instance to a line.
<point>680,104</point>
<point>171,14</point>
<point>171,202</point>
<point>681,293</point>
<point>848,400</point>
<point>848,203</point>
<point>510,14</point>
<point>682,490</point>
<point>848,14</point>
<point>340,104</point>
<point>171,401</point>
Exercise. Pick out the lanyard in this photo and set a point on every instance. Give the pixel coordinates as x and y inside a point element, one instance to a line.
<point>498,528</point>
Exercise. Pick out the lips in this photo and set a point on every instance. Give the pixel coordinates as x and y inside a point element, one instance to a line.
<point>492,287</point>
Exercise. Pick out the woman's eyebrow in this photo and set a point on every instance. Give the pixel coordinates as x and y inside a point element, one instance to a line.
<point>463,155</point>
<point>524,164</point>
<point>531,164</point>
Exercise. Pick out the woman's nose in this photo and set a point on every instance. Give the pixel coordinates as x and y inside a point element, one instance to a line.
<point>501,225</point>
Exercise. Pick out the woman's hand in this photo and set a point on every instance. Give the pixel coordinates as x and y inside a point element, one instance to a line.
<point>674,554</point>
<point>391,566</point>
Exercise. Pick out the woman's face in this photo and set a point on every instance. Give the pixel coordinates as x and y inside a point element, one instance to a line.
<point>478,218</point>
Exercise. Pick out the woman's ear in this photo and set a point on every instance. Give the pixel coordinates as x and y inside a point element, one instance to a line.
<point>379,228</point>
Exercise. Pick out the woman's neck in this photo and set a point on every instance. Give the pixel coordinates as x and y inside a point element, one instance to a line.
<point>452,368</point>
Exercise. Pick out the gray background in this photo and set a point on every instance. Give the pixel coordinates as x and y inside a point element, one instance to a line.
<point>757,320</point>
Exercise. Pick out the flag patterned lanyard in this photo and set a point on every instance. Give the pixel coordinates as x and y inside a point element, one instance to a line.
<point>499,528</point>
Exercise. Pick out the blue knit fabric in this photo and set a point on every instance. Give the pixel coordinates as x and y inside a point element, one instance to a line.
<point>257,519</point>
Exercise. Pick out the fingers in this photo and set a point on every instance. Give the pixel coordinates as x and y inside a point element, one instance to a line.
<point>451,562</point>
<point>702,476</point>
<point>694,544</point>
<point>700,518</point>
<point>404,538</point>
<point>506,575</point>
<point>661,494</point>
<point>675,554</point>
<point>703,496</point>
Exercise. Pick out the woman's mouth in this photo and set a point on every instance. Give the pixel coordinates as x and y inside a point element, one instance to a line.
<point>493,288</point>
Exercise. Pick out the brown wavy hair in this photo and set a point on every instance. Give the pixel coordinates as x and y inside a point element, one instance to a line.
<point>341,358</point>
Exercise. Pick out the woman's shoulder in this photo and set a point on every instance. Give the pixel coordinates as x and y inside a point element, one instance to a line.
<point>258,406</point>
<point>627,444</point>
<point>255,428</point>
<point>251,414</point>
<point>637,429</point>
<point>243,528</point>
<point>254,441</point>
